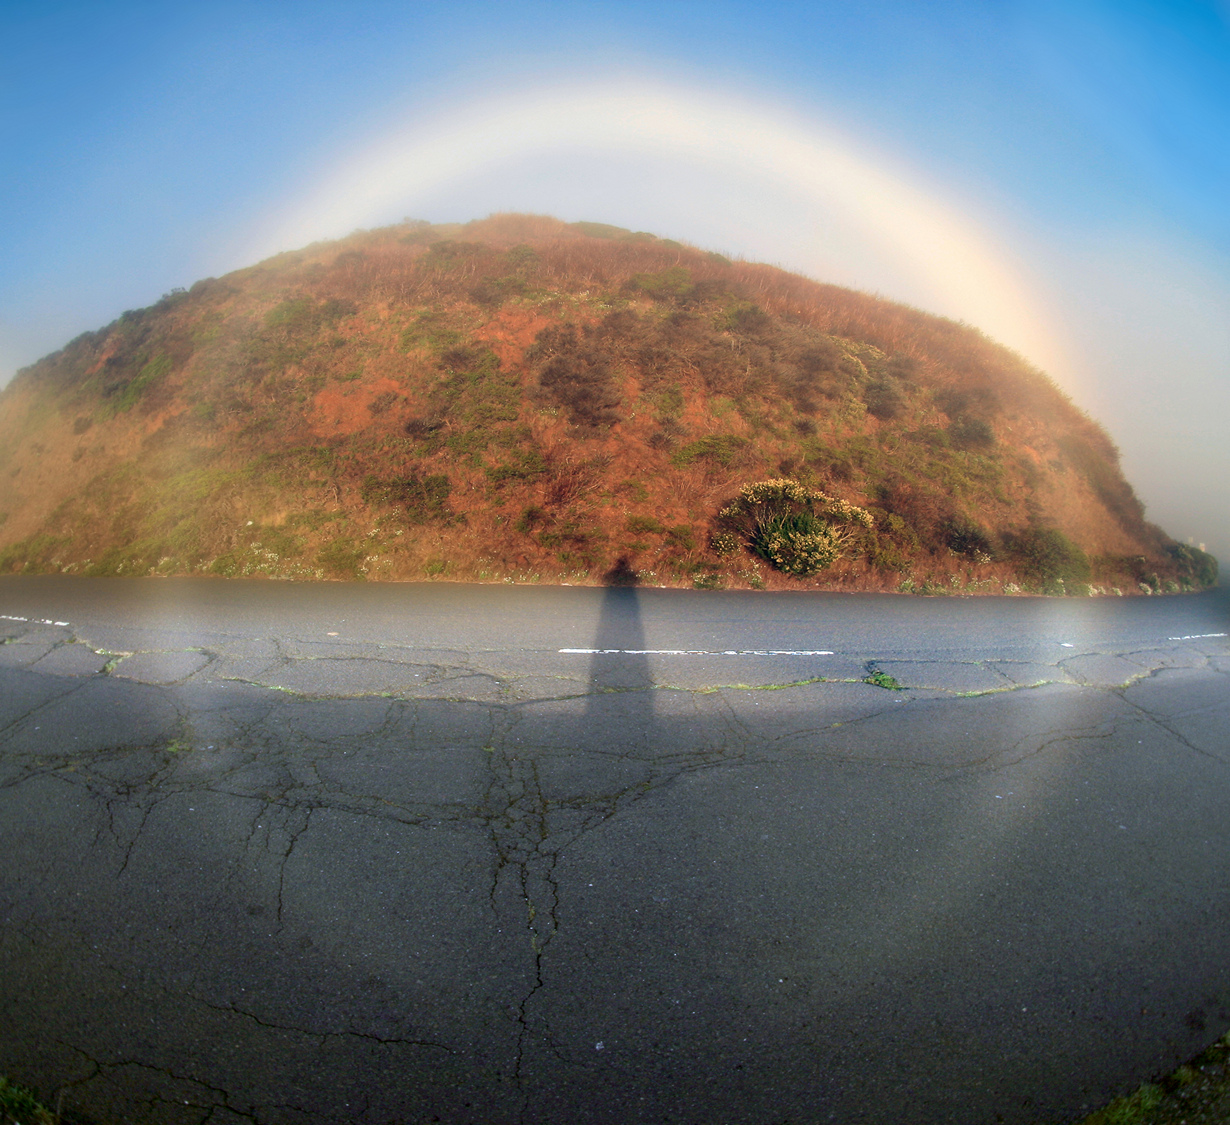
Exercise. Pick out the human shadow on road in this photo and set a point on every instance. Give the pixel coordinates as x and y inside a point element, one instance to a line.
<point>620,679</point>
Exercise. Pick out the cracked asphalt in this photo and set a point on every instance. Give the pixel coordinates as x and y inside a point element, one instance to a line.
<point>291,853</point>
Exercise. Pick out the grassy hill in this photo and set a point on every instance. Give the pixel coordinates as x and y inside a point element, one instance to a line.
<point>521,399</point>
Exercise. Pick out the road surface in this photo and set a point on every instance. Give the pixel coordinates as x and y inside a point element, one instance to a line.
<point>293,853</point>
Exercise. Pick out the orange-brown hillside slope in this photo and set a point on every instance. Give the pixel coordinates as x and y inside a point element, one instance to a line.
<point>523,399</point>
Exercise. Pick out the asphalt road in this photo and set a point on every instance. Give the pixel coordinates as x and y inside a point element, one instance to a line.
<point>331,853</point>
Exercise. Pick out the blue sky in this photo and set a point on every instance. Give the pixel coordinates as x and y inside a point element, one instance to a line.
<point>1081,146</point>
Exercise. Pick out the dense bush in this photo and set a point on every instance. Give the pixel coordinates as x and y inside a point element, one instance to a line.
<point>794,528</point>
<point>971,433</point>
<point>884,398</point>
<point>1198,566</point>
<point>799,543</point>
<point>964,537</point>
<point>1048,558</point>
<point>576,374</point>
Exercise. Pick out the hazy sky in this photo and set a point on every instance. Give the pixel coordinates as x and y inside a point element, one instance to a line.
<point>1056,172</point>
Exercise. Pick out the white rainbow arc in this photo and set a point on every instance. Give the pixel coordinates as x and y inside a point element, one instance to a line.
<point>957,264</point>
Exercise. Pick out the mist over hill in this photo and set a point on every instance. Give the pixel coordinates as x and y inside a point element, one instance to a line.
<point>522,399</point>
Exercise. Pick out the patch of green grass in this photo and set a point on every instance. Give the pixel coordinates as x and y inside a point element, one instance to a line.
<point>340,558</point>
<point>724,449</point>
<point>29,556</point>
<point>1197,1091</point>
<point>681,536</point>
<point>421,499</point>
<point>150,374</point>
<point>882,680</point>
<point>21,1106</point>
<point>673,283</point>
<point>1135,1109</point>
<point>669,402</point>
<point>314,519</point>
<point>755,687</point>
<point>526,465</point>
<point>1048,558</point>
<point>427,331</point>
<point>635,489</point>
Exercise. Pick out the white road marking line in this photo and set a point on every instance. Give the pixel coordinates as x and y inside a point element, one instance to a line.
<point>694,652</point>
<point>32,620</point>
<point>1196,637</point>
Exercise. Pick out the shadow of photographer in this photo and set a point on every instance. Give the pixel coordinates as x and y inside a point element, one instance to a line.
<point>620,679</point>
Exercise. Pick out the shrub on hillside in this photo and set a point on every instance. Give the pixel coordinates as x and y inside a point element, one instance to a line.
<point>964,537</point>
<point>884,398</point>
<point>673,283</point>
<point>1198,566</point>
<point>794,528</point>
<point>422,499</point>
<point>1049,559</point>
<point>576,374</point>
<point>971,433</point>
<point>921,506</point>
<point>340,558</point>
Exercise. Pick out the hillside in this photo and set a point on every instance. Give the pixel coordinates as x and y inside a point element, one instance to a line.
<point>521,399</point>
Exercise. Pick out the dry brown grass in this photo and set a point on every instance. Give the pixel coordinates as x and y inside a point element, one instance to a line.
<point>539,366</point>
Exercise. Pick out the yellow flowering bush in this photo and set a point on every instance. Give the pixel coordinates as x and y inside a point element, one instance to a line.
<point>795,529</point>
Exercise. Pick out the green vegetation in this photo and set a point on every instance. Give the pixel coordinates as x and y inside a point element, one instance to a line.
<point>1049,559</point>
<point>525,465</point>
<point>672,283</point>
<point>795,529</point>
<point>427,331</point>
<point>1197,567</point>
<point>723,449</point>
<point>971,433</point>
<point>22,1107</point>
<point>149,375</point>
<point>340,558</point>
<point>419,499</point>
<point>882,680</point>
<point>1198,1091</point>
